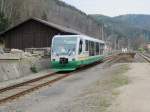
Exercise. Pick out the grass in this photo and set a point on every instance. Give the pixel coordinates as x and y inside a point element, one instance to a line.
<point>116,80</point>
<point>104,104</point>
<point>99,96</point>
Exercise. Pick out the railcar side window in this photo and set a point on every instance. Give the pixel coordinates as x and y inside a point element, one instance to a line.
<point>97,48</point>
<point>101,48</point>
<point>86,45</point>
<point>93,49</point>
<point>80,46</point>
<point>90,48</point>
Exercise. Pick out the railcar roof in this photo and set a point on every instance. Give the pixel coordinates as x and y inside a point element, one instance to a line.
<point>81,36</point>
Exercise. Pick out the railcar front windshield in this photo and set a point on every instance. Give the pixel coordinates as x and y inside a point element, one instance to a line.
<point>64,46</point>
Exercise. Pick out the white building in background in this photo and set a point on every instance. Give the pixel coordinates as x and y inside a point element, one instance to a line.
<point>124,50</point>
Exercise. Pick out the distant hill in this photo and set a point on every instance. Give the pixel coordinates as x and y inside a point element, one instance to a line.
<point>126,28</point>
<point>140,21</point>
<point>121,31</point>
<point>54,11</point>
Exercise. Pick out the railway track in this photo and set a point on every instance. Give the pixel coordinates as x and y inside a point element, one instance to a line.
<point>145,57</point>
<point>13,92</point>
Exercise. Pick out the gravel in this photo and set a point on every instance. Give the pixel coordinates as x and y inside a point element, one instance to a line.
<point>62,96</point>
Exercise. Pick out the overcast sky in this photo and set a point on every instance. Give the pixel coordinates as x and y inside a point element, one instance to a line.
<point>112,7</point>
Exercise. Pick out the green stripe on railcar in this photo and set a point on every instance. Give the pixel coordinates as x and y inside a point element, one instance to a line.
<point>72,65</point>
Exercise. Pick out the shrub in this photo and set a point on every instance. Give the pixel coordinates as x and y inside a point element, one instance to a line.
<point>34,69</point>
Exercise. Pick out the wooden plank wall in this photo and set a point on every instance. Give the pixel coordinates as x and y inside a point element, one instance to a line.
<point>30,34</point>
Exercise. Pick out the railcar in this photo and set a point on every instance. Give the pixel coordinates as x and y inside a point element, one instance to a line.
<point>69,52</point>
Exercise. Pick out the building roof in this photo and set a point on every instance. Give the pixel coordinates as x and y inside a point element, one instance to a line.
<point>50,24</point>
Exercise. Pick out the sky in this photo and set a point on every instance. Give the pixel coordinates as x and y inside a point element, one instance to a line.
<point>111,7</point>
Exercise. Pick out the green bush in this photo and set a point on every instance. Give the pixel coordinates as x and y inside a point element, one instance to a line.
<point>141,50</point>
<point>34,69</point>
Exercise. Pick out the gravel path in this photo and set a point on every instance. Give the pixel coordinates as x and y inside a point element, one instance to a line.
<point>135,97</point>
<point>49,99</point>
<point>92,90</point>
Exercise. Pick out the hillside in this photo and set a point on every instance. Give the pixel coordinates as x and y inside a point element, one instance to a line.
<point>140,21</point>
<point>120,31</point>
<point>50,10</point>
<point>126,28</point>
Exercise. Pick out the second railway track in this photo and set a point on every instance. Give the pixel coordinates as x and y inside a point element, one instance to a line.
<point>146,57</point>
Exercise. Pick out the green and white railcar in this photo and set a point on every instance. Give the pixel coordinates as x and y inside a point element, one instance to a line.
<point>69,52</point>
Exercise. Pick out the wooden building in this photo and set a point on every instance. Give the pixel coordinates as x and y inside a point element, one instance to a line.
<point>32,33</point>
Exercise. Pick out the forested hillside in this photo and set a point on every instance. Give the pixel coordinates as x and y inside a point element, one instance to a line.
<point>126,30</point>
<point>50,10</point>
<point>137,20</point>
<point>120,31</point>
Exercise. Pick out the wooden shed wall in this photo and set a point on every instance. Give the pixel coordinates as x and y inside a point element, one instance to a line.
<point>30,34</point>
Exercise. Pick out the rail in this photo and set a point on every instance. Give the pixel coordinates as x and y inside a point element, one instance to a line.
<point>146,57</point>
<point>16,91</point>
<point>12,92</point>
